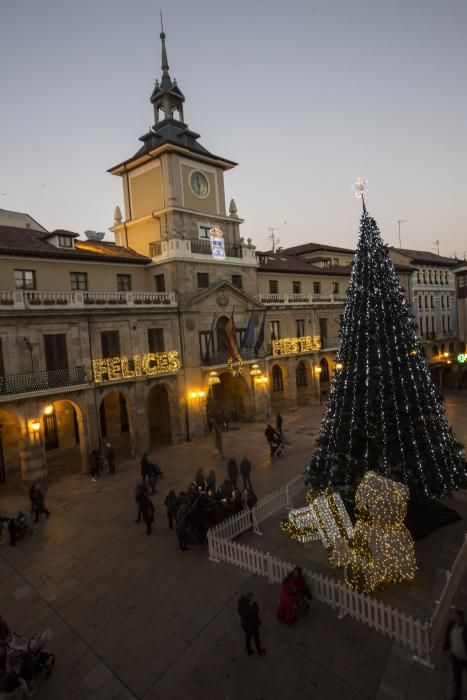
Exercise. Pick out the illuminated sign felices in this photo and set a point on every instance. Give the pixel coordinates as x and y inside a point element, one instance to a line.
<point>112,368</point>
<point>289,346</point>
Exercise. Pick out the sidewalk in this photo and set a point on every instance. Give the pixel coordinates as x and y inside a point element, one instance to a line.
<point>133,617</point>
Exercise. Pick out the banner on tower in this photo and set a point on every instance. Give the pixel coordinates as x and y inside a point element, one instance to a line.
<point>217,243</point>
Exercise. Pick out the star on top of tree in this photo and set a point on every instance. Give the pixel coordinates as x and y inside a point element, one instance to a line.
<point>360,187</point>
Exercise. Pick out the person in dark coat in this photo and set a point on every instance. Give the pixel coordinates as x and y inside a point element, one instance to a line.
<point>95,464</point>
<point>249,617</point>
<point>110,458</point>
<point>139,495</point>
<point>218,440</point>
<point>232,471</point>
<point>245,471</point>
<point>144,467</point>
<point>237,501</point>
<point>37,501</point>
<point>182,527</point>
<point>199,480</point>
<point>249,498</point>
<point>456,643</point>
<point>211,481</point>
<point>147,511</point>
<point>279,422</point>
<point>170,504</point>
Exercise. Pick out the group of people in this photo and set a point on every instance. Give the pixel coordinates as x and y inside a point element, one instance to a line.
<point>221,419</point>
<point>100,462</point>
<point>18,526</point>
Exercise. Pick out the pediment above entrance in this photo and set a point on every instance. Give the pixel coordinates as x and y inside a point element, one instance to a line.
<point>221,296</point>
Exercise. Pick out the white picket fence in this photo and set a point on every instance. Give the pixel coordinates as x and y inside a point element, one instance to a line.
<point>419,637</point>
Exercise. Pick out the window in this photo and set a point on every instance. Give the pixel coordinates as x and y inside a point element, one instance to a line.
<point>2,367</point>
<point>159,281</point>
<point>156,339</point>
<point>442,301</point>
<point>420,305</point>
<point>323,327</point>
<point>430,276</point>
<point>449,324</point>
<point>202,280</point>
<point>79,280</point>
<point>65,242</point>
<point>204,231</point>
<point>432,299</point>
<point>324,376</point>
<point>335,261</point>
<point>296,287</point>
<point>301,374</point>
<point>110,343</point>
<point>275,330</point>
<point>418,276</point>
<point>237,281</point>
<point>277,380</point>
<point>300,327</point>
<point>426,301</point>
<point>124,283</point>
<point>424,276</point>
<point>316,287</point>
<point>421,327</point>
<point>436,276</point>
<point>335,287</point>
<point>273,287</point>
<point>206,344</point>
<point>55,351</point>
<point>446,278</point>
<point>239,336</point>
<point>444,324</point>
<point>433,325</point>
<point>25,279</point>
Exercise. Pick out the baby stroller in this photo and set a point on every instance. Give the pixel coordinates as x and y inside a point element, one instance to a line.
<point>29,659</point>
<point>19,527</point>
<point>277,447</point>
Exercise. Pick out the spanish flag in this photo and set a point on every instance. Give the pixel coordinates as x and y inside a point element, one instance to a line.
<point>231,336</point>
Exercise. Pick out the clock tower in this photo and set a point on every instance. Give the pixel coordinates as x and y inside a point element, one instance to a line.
<point>174,197</point>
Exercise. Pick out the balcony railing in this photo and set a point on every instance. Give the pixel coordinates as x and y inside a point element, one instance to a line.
<point>221,357</point>
<point>291,299</point>
<point>42,381</point>
<point>203,247</point>
<point>81,299</point>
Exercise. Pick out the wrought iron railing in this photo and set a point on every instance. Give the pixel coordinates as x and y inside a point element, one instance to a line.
<point>203,247</point>
<point>155,249</point>
<point>221,357</point>
<point>42,380</point>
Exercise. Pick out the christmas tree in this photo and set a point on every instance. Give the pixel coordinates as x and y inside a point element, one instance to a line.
<point>384,412</point>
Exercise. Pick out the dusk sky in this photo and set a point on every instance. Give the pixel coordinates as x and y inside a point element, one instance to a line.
<point>304,95</point>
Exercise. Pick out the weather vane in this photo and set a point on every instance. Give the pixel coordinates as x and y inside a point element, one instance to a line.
<point>361,188</point>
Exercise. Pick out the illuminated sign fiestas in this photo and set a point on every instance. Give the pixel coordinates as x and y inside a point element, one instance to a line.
<point>112,368</point>
<point>290,346</point>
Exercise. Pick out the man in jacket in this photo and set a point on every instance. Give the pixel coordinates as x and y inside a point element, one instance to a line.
<point>245,471</point>
<point>249,617</point>
<point>456,643</point>
<point>147,510</point>
<point>232,471</point>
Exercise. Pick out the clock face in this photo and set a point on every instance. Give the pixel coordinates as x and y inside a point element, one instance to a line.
<point>199,184</point>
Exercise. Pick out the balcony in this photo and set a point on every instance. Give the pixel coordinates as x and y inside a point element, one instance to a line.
<point>301,299</point>
<point>199,249</point>
<point>83,300</point>
<point>203,247</point>
<point>221,357</point>
<point>44,381</point>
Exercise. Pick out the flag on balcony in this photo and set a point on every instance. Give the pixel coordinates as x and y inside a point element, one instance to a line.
<point>260,339</point>
<point>249,337</point>
<point>231,336</point>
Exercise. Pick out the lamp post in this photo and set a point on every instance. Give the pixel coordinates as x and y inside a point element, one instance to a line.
<point>317,374</point>
<point>261,381</point>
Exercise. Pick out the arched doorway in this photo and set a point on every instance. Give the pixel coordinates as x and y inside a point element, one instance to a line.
<point>115,423</point>
<point>324,376</point>
<point>301,380</point>
<point>64,440</point>
<point>277,389</point>
<point>230,395</point>
<point>10,447</point>
<point>434,350</point>
<point>160,426</point>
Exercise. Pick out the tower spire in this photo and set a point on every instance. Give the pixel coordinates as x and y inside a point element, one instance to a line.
<point>167,98</point>
<point>166,81</point>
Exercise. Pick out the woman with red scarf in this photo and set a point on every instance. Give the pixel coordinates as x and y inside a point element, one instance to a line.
<point>294,586</point>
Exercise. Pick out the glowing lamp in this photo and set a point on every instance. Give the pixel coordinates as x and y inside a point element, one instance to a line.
<point>193,394</point>
<point>446,354</point>
<point>413,352</point>
<point>48,410</point>
<point>318,370</point>
<point>213,378</point>
<point>339,366</point>
<point>201,394</point>
<point>35,425</point>
<point>255,371</point>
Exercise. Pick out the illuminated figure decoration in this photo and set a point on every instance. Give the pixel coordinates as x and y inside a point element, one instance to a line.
<point>235,365</point>
<point>384,411</point>
<point>381,550</point>
<point>217,243</point>
<point>301,525</point>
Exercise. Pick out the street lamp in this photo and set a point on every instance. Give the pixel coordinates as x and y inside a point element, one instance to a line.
<point>318,370</point>
<point>261,381</point>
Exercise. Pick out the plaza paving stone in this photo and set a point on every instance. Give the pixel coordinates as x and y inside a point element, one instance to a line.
<point>133,617</point>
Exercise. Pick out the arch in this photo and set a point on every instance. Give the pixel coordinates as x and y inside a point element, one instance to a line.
<point>64,438</point>
<point>442,349</point>
<point>115,422</point>
<point>302,380</point>
<point>232,395</point>
<point>159,416</point>
<point>11,439</point>
<point>451,348</point>
<point>324,364</point>
<point>220,333</point>
<point>434,350</point>
<point>277,379</point>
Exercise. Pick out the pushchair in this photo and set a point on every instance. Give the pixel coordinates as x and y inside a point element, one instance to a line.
<point>277,447</point>
<point>19,527</point>
<point>29,659</point>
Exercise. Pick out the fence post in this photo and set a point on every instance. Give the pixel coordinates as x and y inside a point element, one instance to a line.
<point>254,521</point>
<point>288,500</point>
<point>269,566</point>
<point>212,548</point>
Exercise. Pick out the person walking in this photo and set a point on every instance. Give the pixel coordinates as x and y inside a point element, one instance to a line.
<point>182,527</point>
<point>170,504</point>
<point>144,467</point>
<point>218,440</point>
<point>232,471</point>
<point>250,499</point>
<point>151,478</point>
<point>211,481</point>
<point>147,511</point>
<point>37,501</point>
<point>249,618</point>
<point>199,480</point>
<point>456,643</point>
<point>139,495</point>
<point>110,458</point>
<point>95,464</point>
<point>245,471</point>
<point>279,422</point>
